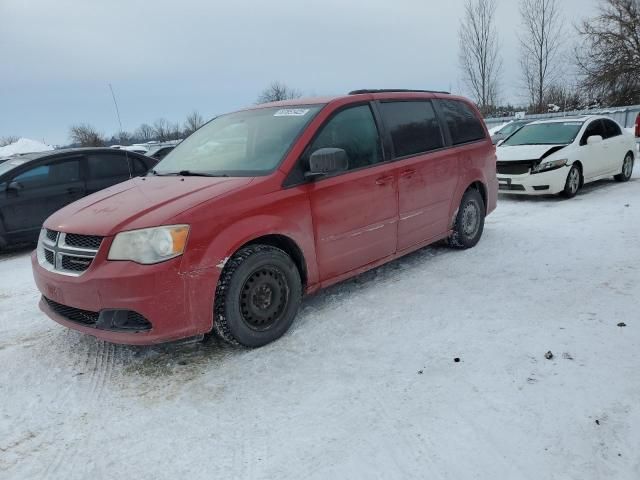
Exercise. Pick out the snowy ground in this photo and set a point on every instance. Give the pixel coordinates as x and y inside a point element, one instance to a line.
<point>365,385</point>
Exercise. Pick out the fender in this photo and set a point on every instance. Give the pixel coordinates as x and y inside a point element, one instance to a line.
<point>246,230</point>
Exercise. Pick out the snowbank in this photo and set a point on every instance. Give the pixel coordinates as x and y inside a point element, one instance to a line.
<point>24,145</point>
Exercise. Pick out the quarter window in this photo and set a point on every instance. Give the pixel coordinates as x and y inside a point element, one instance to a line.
<point>413,126</point>
<point>354,130</point>
<point>464,125</point>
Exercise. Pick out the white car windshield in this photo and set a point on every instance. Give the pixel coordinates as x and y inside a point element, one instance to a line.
<point>553,133</point>
<point>246,143</point>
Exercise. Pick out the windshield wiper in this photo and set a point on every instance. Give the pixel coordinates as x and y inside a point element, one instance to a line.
<point>188,173</point>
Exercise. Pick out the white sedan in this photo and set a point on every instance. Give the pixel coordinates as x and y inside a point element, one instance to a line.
<point>560,155</point>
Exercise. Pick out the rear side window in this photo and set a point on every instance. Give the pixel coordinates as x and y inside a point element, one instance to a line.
<point>611,128</point>
<point>355,131</point>
<point>107,165</point>
<point>413,126</point>
<point>463,124</point>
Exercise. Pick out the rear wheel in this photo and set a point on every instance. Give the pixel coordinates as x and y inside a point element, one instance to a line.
<point>572,184</point>
<point>627,169</point>
<point>257,296</point>
<point>469,223</point>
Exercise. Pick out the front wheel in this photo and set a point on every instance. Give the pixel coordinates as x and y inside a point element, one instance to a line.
<point>572,184</point>
<point>257,296</point>
<point>627,169</point>
<point>469,223</point>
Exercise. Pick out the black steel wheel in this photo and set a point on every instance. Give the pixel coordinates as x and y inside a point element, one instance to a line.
<point>469,223</point>
<point>257,297</point>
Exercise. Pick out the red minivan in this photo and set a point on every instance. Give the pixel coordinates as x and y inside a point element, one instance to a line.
<point>261,206</point>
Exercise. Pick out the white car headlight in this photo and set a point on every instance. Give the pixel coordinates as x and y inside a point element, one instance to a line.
<point>150,245</point>
<point>550,165</point>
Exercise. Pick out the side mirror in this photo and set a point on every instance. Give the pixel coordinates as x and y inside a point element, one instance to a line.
<point>14,187</point>
<point>326,161</point>
<point>593,139</point>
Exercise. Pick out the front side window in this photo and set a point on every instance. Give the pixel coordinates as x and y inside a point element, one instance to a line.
<point>595,128</point>
<point>413,126</point>
<point>50,175</point>
<point>246,143</point>
<point>354,130</point>
<point>464,125</point>
<point>552,133</point>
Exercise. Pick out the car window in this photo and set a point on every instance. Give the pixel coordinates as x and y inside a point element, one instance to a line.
<point>611,128</point>
<point>355,131</point>
<point>594,128</point>
<point>139,167</point>
<point>106,165</point>
<point>462,121</point>
<point>49,175</point>
<point>414,127</point>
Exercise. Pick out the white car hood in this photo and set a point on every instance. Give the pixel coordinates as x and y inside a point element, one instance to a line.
<point>525,152</point>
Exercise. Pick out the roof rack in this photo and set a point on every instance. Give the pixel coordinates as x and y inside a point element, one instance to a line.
<point>393,90</point>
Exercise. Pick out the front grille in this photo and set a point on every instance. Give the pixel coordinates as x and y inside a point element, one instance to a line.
<point>514,168</point>
<point>48,255</point>
<point>73,314</point>
<point>75,264</point>
<point>67,253</point>
<point>83,241</point>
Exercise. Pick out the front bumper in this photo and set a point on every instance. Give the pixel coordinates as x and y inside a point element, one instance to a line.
<point>177,304</point>
<point>545,183</point>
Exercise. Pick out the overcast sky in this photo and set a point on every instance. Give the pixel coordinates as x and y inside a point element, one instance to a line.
<point>166,58</point>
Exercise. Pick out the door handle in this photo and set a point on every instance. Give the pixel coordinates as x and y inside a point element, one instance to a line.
<point>384,180</point>
<point>408,172</point>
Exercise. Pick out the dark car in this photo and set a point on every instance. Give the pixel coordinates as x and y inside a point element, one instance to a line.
<point>35,185</point>
<point>508,129</point>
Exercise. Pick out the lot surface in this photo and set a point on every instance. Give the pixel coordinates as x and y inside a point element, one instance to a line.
<point>365,384</point>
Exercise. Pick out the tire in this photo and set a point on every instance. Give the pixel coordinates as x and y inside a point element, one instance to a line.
<point>469,223</point>
<point>572,184</point>
<point>627,169</point>
<point>257,297</point>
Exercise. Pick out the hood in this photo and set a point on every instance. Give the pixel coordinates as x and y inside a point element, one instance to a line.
<point>139,203</point>
<point>526,152</point>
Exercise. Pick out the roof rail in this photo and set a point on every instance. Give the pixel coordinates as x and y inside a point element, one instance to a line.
<point>393,90</point>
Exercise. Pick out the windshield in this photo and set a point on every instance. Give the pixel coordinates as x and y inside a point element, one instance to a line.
<point>7,164</point>
<point>247,143</point>
<point>553,133</point>
<point>510,128</point>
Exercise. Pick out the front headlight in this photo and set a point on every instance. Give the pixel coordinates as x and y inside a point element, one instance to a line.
<point>549,165</point>
<point>150,245</point>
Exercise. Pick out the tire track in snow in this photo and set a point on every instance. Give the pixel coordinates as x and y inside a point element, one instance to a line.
<point>102,359</point>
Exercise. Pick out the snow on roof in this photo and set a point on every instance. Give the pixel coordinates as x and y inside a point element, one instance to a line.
<point>24,145</point>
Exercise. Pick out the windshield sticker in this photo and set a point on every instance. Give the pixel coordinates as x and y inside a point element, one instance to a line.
<point>291,112</point>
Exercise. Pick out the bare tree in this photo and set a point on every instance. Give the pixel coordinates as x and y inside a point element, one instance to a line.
<point>86,136</point>
<point>8,140</point>
<point>175,131</point>
<point>539,44</point>
<point>276,92</point>
<point>479,52</point>
<point>608,56</point>
<point>144,132</point>
<point>194,121</point>
<point>161,129</point>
